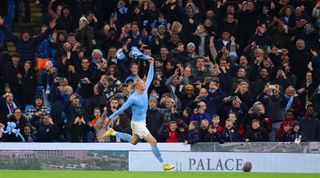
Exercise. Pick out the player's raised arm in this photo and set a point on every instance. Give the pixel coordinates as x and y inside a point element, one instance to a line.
<point>150,73</point>
<point>125,106</point>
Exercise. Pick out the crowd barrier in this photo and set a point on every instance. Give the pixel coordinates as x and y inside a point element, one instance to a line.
<point>228,157</point>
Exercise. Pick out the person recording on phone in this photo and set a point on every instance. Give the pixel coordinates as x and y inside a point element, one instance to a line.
<point>275,102</point>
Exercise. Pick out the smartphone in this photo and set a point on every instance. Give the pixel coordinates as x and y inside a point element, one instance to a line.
<point>280,51</point>
<point>272,87</point>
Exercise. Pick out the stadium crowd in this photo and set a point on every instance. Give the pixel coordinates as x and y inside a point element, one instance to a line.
<point>225,71</point>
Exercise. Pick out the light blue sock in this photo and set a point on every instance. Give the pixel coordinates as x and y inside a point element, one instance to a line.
<point>156,152</point>
<point>123,136</point>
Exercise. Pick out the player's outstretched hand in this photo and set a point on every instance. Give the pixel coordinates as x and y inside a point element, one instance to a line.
<point>151,60</point>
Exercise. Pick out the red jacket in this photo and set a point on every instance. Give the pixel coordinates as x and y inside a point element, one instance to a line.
<point>173,137</point>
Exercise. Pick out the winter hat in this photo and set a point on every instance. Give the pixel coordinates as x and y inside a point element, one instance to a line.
<point>161,26</point>
<point>188,87</point>
<point>83,19</point>
<point>191,45</point>
<point>154,100</point>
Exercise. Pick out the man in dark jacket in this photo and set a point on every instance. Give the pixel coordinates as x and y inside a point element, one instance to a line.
<point>65,21</point>
<point>301,57</point>
<point>13,75</point>
<point>75,108</point>
<point>47,131</point>
<point>7,106</point>
<point>216,95</point>
<point>154,118</point>
<point>310,125</point>
<point>26,45</point>
<point>79,130</point>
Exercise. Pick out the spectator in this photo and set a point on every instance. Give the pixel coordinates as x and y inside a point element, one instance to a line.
<point>258,111</point>
<point>28,134</point>
<point>98,99</point>
<point>310,125</point>
<point>306,89</point>
<point>216,123</point>
<point>100,127</point>
<point>288,121</point>
<point>173,131</point>
<point>37,111</point>
<point>204,127</point>
<point>20,120</point>
<point>79,130</point>
<point>256,133</point>
<point>154,118</point>
<point>187,96</point>
<point>286,133</point>
<point>200,113</point>
<point>301,58</point>
<point>201,71</point>
<point>315,99</point>
<point>294,102</point>
<point>170,134</point>
<point>47,131</point>
<point>169,112</point>
<point>230,133</point>
<point>65,21</point>
<point>8,105</point>
<point>215,97</point>
<point>297,134</point>
<point>194,135</point>
<point>84,34</point>
<point>13,76</point>
<point>275,102</point>
<point>28,82</point>
<point>26,45</point>
<point>213,135</point>
<point>76,108</point>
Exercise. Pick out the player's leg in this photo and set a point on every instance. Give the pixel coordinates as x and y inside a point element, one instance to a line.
<point>153,143</point>
<point>155,150</point>
<point>122,136</point>
<point>135,139</point>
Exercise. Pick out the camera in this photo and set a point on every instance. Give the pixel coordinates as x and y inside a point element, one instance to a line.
<point>280,51</point>
<point>82,81</point>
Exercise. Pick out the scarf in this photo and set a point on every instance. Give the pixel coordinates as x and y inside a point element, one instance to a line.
<point>10,109</point>
<point>289,104</point>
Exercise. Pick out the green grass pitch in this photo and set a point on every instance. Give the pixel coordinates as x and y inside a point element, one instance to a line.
<point>125,174</point>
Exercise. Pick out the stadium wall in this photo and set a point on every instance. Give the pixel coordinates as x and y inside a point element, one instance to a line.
<point>229,157</point>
